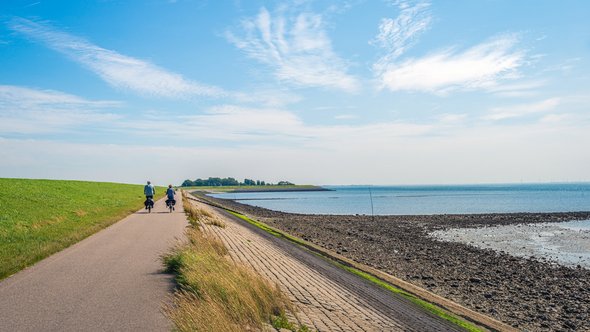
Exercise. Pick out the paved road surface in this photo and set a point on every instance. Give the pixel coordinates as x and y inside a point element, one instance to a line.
<point>327,298</point>
<point>111,281</point>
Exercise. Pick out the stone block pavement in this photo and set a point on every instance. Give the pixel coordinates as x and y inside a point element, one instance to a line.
<point>326,297</point>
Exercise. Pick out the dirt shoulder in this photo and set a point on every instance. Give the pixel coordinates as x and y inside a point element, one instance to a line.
<point>528,294</point>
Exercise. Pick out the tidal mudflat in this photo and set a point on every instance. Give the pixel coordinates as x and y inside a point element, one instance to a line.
<point>566,243</point>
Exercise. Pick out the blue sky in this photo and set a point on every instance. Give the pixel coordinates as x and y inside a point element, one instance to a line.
<point>325,92</point>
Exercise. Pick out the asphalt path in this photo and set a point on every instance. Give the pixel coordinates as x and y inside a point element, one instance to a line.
<point>111,281</point>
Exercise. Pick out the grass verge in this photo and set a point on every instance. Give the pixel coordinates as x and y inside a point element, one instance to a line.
<point>268,229</point>
<point>41,217</point>
<point>215,293</point>
<point>424,304</point>
<point>198,215</point>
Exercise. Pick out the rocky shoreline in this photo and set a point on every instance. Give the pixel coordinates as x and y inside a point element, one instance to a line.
<point>529,294</point>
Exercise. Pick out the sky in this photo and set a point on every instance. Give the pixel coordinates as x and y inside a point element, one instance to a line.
<point>378,92</point>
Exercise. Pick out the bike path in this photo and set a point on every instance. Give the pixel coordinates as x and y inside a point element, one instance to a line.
<point>111,281</point>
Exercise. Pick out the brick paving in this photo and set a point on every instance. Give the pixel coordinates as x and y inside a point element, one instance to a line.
<point>326,297</point>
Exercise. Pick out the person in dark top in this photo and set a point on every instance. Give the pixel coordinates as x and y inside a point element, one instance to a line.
<point>171,193</point>
<point>149,190</point>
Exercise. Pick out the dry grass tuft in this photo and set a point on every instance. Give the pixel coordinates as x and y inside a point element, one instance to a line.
<point>216,293</point>
<point>200,215</point>
<point>80,213</point>
<point>215,221</point>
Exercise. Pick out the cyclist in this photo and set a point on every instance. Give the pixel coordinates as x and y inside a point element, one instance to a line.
<point>149,192</point>
<point>171,193</point>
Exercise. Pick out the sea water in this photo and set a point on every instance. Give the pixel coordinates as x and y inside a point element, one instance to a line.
<point>416,200</point>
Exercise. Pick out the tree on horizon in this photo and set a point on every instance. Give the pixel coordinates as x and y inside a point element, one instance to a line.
<point>220,182</point>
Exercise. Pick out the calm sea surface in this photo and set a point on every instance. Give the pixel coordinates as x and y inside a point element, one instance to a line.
<point>426,199</point>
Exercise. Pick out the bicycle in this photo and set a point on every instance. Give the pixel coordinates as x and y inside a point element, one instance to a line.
<point>170,204</point>
<point>149,204</point>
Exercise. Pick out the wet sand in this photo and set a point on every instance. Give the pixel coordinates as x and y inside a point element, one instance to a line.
<point>566,243</point>
<point>528,293</point>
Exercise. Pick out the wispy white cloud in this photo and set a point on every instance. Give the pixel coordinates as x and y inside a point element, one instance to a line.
<point>520,110</point>
<point>297,49</point>
<point>247,118</point>
<point>235,123</point>
<point>31,111</point>
<point>220,124</point>
<point>120,71</point>
<point>485,65</point>
<point>268,127</point>
<point>341,6</point>
<point>32,4</point>
<point>482,66</point>
<point>267,97</point>
<point>556,118</point>
<point>473,154</point>
<point>34,112</point>
<point>23,96</point>
<point>397,35</point>
<point>520,89</point>
<point>566,66</point>
<point>449,118</point>
<point>346,117</point>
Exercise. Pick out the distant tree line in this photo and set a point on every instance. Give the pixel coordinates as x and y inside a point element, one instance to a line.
<point>219,182</point>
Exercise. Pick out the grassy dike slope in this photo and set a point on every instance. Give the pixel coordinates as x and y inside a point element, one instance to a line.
<point>41,217</point>
<point>215,292</point>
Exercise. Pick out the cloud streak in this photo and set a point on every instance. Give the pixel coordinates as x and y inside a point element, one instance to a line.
<point>118,70</point>
<point>397,35</point>
<point>35,112</point>
<point>520,110</point>
<point>297,49</point>
<point>521,89</point>
<point>225,124</point>
<point>31,111</point>
<point>482,66</point>
<point>472,155</point>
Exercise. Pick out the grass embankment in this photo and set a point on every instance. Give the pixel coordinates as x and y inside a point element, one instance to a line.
<point>424,304</point>
<point>215,293</point>
<point>41,217</point>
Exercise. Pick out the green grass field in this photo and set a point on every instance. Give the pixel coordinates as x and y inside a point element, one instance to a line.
<point>41,217</point>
